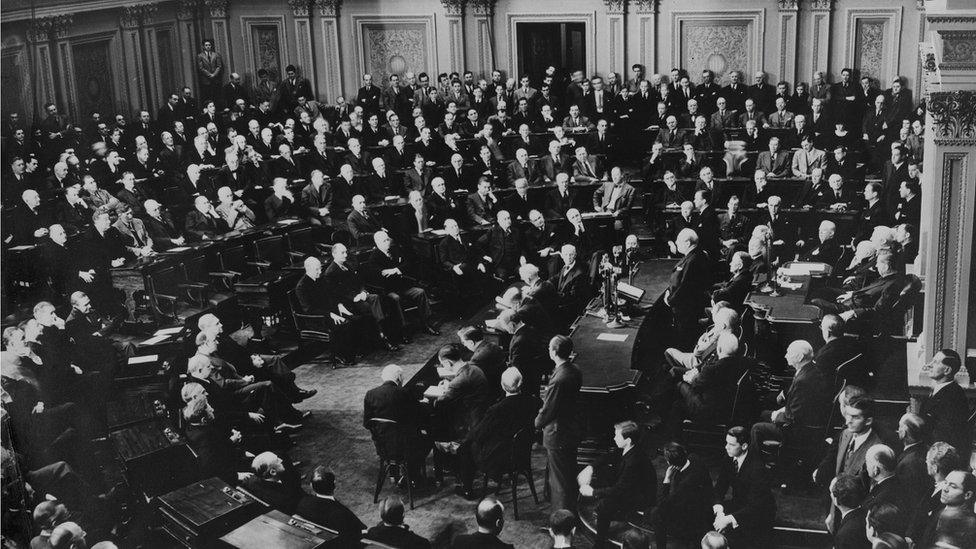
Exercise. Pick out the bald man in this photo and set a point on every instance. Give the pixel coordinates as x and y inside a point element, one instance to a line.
<point>347,285</point>
<point>686,294</point>
<point>315,297</point>
<point>388,270</point>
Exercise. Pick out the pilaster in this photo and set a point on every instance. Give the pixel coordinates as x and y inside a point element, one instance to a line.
<point>39,45</point>
<point>187,12</point>
<point>617,28</point>
<point>820,33</point>
<point>130,21</point>
<point>484,16</point>
<point>331,54</point>
<point>789,12</point>
<point>454,12</point>
<point>647,18</point>
<point>301,10</point>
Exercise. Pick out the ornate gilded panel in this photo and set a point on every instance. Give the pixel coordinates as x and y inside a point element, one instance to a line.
<point>394,48</point>
<point>869,46</point>
<point>93,77</point>
<point>266,48</point>
<point>720,46</point>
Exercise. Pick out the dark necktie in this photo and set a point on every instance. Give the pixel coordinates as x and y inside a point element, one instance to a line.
<point>735,466</point>
<point>847,453</point>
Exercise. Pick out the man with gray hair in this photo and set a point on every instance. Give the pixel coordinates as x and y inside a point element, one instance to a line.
<point>690,280</point>
<point>391,415</point>
<point>387,269</point>
<point>487,447</point>
<point>705,393</point>
<point>807,403</point>
<point>880,464</point>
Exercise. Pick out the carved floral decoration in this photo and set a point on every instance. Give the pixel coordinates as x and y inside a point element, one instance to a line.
<point>954,114</point>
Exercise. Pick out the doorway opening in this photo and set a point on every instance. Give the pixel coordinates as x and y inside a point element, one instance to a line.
<point>562,45</point>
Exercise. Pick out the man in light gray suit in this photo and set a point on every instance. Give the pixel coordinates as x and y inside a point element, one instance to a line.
<point>210,70</point>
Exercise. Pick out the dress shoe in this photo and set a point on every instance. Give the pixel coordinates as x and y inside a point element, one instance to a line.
<point>389,345</point>
<point>287,428</point>
<point>432,330</point>
<point>344,361</point>
<point>308,393</point>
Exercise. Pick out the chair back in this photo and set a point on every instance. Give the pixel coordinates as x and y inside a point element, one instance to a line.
<point>232,259</point>
<point>272,250</point>
<point>387,438</point>
<point>195,268</point>
<point>522,448</point>
<point>742,405</point>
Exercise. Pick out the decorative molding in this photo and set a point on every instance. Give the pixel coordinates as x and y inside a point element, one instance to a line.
<point>65,8</point>
<point>890,42</point>
<point>958,49</point>
<point>303,43</point>
<point>453,8</point>
<point>300,8</point>
<point>218,8</point>
<point>137,15</point>
<point>187,9</point>
<point>754,20</point>
<point>328,8</point>
<point>646,6</point>
<point>959,19</point>
<point>920,5</point>
<point>821,5</point>
<point>616,7</point>
<point>60,25</point>
<point>587,18</point>
<point>483,8</point>
<point>954,114</point>
<point>363,25</point>
<point>40,30</point>
<point>251,63</point>
<point>788,5</point>
<point>331,57</point>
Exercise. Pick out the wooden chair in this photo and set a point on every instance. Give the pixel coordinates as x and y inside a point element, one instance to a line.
<point>392,450</point>
<point>311,327</point>
<point>520,463</point>
<point>704,436</point>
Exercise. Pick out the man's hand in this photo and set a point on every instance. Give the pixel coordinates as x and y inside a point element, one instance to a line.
<point>361,296</point>
<point>487,258</point>
<point>343,310</point>
<point>179,240</point>
<point>336,318</point>
<point>256,417</point>
<point>722,522</point>
<point>690,376</point>
<point>844,296</point>
<point>481,267</point>
<point>847,315</point>
<point>40,232</point>
<point>244,476</point>
<point>235,436</point>
<point>667,297</point>
<point>87,276</point>
<point>545,252</point>
<point>457,269</point>
<point>248,379</point>
<point>77,370</point>
<point>586,491</point>
<point>777,416</point>
<point>118,262</point>
<point>38,408</point>
<point>673,247</point>
<point>324,211</point>
<point>257,361</point>
<point>390,272</point>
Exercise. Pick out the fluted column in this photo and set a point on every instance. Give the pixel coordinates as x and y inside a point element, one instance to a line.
<point>186,30</point>
<point>135,85</point>
<point>219,26</point>
<point>454,11</point>
<point>150,53</point>
<point>39,45</point>
<point>331,54</point>
<point>647,11</point>
<point>484,15</point>
<point>616,20</point>
<point>302,11</point>
<point>820,33</point>
<point>788,17</point>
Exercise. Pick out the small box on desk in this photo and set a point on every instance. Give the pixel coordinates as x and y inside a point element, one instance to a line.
<point>278,530</point>
<point>196,515</point>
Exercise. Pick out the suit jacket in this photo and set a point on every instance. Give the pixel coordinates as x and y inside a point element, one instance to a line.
<point>468,396</point>
<point>551,167</point>
<point>774,166</point>
<point>198,225</point>
<point>635,487</point>
<point>529,352</point>
<point>136,235</point>
<point>909,211</point>
<point>877,297</point>
<point>825,252</point>
<point>720,121</point>
<point>804,162</point>
<point>503,249</point>
<point>454,253</point>
<point>275,207</point>
<point>390,401</point>
<point>782,120</point>
<point>750,501</point>
<point>685,503</point>
<point>689,282</point>
<point>331,514</point>
<point>809,397</point>
<point>162,231</point>
<point>283,495</point>
<point>557,418</point>
<point>735,290</point>
<point>492,360</point>
<point>915,481</point>
<point>586,172</point>
<point>491,438</point>
<point>413,181</point>
<point>515,171</point>
<point>362,226</point>
<point>210,70</point>
<point>481,211</point>
<point>947,412</point>
<point>835,352</point>
<point>397,536</point>
<point>378,262</point>
<point>850,532</point>
<point>478,540</point>
<point>556,204</point>
<point>707,228</point>
<point>833,463</point>
<point>671,139</point>
<point>602,196</point>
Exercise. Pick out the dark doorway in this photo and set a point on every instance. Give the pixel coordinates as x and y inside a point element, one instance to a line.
<point>562,45</point>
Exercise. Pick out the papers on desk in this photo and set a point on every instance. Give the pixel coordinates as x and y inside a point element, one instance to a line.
<point>155,340</point>
<point>287,221</point>
<point>446,373</point>
<point>612,337</point>
<point>804,268</point>
<point>21,248</point>
<point>434,391</point>
<point>439,232</point>
<point>594,215</point>
<point>143,359</point>
<point>178,249</point>
<point>168,331</point>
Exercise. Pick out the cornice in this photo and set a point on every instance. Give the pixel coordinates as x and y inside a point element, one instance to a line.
<point>69,8</point>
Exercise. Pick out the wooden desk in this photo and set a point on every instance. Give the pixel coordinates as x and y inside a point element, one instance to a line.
<point>275,529</point>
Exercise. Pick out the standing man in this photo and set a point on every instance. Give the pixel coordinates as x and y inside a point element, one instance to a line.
<point>689,282</point>
<point>557,419</point>
<point>210,70</point>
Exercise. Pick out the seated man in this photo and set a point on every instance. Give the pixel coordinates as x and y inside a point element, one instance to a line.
<point>391,415</point>
<point>465,396</point>
<point>346,285</point>
<point>203,222</point>
<point>873,300</point>
<point>274,483</point>
<point>503,247</point>
<point>486,355</point>
<point>90,332</point>
<point>684,509</point>
<point>615,198</point>
<point>678,362</point>
<point>263,367</point>
<point>461,260</point>
<point>488,446</point>
<point>216,444</point>
<point>706,393</point>
<point>491,519</point>
<point>391,530</point>
<point>744,506</point>
<point>281,203</point>
<point>947,409</point>
<point>321,507</point>
<point>807,403</point>
<point>362,224</point>
<point>738,287</point>
<point>635,488</point>
<point>385,270</point>
<point>825,249</point>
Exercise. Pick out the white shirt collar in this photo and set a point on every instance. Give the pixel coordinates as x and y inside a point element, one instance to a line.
<point>938,386</point>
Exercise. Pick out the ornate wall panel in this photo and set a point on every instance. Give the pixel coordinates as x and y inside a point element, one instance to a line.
<point>265,45</point>
<point>15,80</point>
<point>874,42</point>
<point>719,41</point>
<point>958,49</point>
<point>94,76</point>
<point>394,45</point>
<point>165,63</point>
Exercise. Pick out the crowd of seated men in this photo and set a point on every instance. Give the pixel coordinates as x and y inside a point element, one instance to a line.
<point>465,156</point>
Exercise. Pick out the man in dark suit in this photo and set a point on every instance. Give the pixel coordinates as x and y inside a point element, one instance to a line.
<point>910,468</point>
<point>527,350</point>
<point>846,455</point>
<point>27,224</point>
<point>491,519</point>
<point>465,396</point>
<point>482,204</point>
<point>553,163</point>
<point>824,249</point>
<point>744,506</point>
<point>738,287</point>
<point>486,355</point>
<point>807,402</point>
<point>557,419</point>
<point>705,393</point>
<point>274,483</point>
<point>684,508</point>
<point>488,446</point>
<point>503,246</point>
<point>909,207</point>
<point>635,488</point>
<point>160,227</point>
<point>571,284</point>
<point>391,530</point>
<point>440,203</point>
<point>281,203</point>
<point>315,298</point>
<point>560,199</point>
<point>291,88</point>
<point>391,415</point>
<point>947,409</point>
<point>361,223</point>
<point>874,300</point>
<point>418,177</point>
<point>692,277</point>
<point>369,95</point>
<point>706,224</point>
<point>387,270</point>
<point>846,497</point>
<point>210,71</point>
<point>522,167</point>
<point>346,283</point>
<point>321,507</point>
<point>884,487</point>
